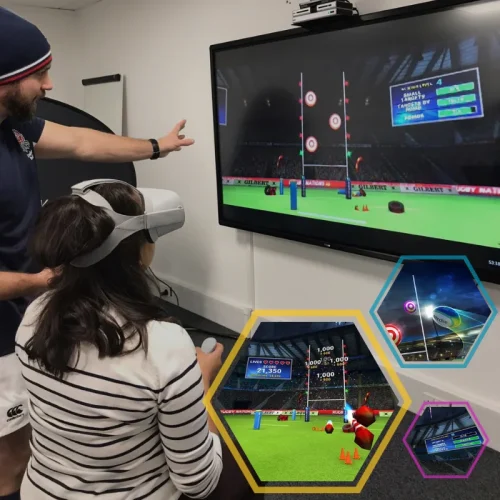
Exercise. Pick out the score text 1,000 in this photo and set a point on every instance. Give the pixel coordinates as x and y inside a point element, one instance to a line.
<point>321,361</point>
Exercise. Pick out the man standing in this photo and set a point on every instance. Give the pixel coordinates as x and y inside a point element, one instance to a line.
<point>25,59</point>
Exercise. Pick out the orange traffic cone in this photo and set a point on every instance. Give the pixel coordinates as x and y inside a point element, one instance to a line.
<point>342,454</point>
<point>356,454</point>
<point>348,460</point>
<point>365,208</point>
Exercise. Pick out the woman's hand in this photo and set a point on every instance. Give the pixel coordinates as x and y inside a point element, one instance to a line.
<point>210,364</point>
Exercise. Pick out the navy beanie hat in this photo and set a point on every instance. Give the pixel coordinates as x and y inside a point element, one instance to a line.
<point>24,49</point>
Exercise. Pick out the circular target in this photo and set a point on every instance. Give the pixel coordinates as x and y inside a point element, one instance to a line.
<point>410,306</point>
<point>311,144</point>
<point>311,99</point>
<point>335,121</point>
<point>395,333</point>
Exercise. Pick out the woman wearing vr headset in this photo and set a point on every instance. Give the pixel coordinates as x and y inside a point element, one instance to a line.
<point>116,388</point>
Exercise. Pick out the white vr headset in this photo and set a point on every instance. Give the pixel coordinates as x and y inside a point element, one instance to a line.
<point>163,214</point>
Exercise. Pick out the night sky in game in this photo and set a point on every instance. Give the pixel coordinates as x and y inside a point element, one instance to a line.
<point>438,283</point>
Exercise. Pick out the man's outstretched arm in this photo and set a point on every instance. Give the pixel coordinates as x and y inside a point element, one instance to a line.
<point>62,142</point>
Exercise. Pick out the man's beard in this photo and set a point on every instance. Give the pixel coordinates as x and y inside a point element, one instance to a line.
<point>18,107</point>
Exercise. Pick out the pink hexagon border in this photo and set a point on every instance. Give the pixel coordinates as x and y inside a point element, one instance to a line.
<point>486,439</point>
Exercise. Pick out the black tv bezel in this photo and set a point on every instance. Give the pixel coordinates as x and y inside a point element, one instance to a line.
<point>248,219</point>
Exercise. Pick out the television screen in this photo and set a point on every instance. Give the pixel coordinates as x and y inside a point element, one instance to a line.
<point>378,136</point>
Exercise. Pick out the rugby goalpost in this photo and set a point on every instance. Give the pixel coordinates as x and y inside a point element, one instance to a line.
<point>304,145</point>
<point>309,400</point>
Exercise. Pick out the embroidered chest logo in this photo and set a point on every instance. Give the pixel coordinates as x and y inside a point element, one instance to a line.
<point>25,144</point>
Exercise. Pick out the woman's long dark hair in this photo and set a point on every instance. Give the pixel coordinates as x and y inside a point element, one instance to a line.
<point>104,305</point>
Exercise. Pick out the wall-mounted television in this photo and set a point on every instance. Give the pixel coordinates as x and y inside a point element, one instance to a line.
<point>377,135</point>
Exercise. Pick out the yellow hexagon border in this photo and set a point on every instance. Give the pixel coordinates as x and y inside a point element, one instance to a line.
<point>373,343</point>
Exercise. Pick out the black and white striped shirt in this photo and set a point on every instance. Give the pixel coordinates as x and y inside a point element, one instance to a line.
<point>132,427</point>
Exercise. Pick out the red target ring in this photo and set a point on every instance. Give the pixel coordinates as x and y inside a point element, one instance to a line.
<point>311,99</point>
<point>394,333</point>
<point>311,144</point>
<point>335,121</point>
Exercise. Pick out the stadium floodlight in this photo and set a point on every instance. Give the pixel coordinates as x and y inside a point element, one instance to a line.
<point>428,311</point>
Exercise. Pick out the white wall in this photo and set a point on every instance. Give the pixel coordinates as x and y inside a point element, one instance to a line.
<point>162,48</point>
<point>61,29</point>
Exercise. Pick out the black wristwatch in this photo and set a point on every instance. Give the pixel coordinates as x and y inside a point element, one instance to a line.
<point>156,149</point>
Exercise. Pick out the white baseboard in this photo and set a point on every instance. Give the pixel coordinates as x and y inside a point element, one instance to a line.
<point>216,309</point>
<point>421,387</point>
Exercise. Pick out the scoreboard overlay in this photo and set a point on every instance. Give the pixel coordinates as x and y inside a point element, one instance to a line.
<point>269,368</point>
<point>457,440</point>
<point>443,98</point>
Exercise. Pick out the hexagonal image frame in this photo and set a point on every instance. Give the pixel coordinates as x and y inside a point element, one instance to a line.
<point>372,343</point>
<point>387,285</point>
<point>473,415</point>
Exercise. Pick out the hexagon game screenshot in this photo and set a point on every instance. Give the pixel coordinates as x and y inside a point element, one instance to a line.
<point>306,403</point>
<point>434,311</point>
<point>446,440</point>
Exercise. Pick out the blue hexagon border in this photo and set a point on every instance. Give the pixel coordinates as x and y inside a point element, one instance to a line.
<point>388,283</point>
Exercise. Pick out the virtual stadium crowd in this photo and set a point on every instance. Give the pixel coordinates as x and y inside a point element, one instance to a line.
<point>389,164</point>
<point>288,395</point>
